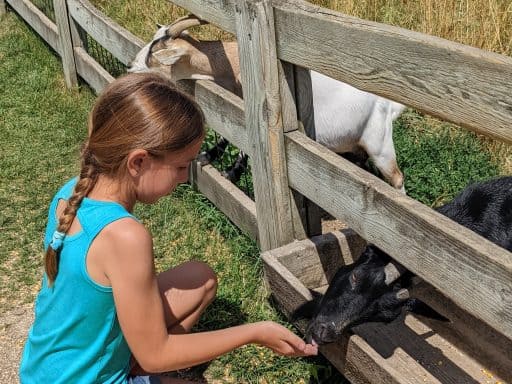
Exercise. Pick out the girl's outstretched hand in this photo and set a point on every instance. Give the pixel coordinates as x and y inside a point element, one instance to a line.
<point>282,341</point>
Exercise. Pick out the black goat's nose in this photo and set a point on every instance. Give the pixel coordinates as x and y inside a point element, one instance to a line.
<point>325,330</point>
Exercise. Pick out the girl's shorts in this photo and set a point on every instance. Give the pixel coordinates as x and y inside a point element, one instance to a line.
<point>143,380</point>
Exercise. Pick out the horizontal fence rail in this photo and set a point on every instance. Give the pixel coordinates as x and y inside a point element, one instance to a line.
<point>45,27</point>
<point>472,271</point>
<point>121,43</point>
<point>457,83</point>
<point>461,84</point>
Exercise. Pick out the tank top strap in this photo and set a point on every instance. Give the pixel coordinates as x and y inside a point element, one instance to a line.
<point>66,190</point>
<point>95,215</point>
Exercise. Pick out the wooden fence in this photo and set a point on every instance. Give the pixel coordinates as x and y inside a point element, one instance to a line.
<point>277,40</point>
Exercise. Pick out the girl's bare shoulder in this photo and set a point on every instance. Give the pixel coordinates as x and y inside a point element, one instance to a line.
<point>126,236</point>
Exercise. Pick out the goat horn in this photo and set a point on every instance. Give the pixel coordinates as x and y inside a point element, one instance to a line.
<point>183,23</point>
<point>393,271</point>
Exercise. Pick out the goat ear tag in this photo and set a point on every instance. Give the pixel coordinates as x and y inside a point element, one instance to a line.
<point>168,56</point>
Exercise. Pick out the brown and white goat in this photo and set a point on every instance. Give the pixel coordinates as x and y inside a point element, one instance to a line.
<point>347,120</point>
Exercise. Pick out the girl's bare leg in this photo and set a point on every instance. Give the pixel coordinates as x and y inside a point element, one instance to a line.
<point>186,292</point>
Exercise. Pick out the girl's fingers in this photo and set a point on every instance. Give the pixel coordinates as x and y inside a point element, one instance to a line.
<point>311,350</point>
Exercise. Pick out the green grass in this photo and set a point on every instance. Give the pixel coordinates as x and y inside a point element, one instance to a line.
<point>42,125</point>
<point>440,160</point>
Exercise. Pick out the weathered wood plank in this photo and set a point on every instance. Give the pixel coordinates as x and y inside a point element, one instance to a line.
<point>219,13</point>
<point>405,351</point>
<point>314,261</point>
<point>455,82</point>
<point>224,112</point>
<point>306,117</point>
<point>452,258</point>
<point>38,21</point>
<point>66,46</point>
<point>304,96</point>
<point>478,339</point>
<point>263,116</point>
<point>120,42</point>
<point>93,73</point>
<point>3,8</point>
<point>239,208</point>
<point>298,204</point>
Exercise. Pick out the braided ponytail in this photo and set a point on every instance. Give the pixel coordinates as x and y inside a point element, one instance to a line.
<point>136,111</point>
<point>86,181</point>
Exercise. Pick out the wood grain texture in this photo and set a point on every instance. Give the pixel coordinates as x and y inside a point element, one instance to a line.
<point>120,42</point>
<point>306,118</point>
<point>239,208</point>
<point>263,117</point>
<point>452,258</point>
<point>224,112</point>
<point>406,351</point>
<point>44,27</point>
<point>92,72</point>
<point>220,13</point>
<point>479,340</point>
<point>455,82</point>
<point>66,45</point>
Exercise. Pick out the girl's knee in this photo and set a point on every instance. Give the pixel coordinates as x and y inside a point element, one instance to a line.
<point>208,277</point>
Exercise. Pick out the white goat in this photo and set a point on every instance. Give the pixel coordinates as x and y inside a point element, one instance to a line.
<point>346,118</point>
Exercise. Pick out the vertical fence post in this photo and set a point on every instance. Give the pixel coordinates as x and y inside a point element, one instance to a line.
<point>65,42</point>
<point>3,9</point>
<point>297,102</point>
<point>306,116</point>
<point>264,120</point>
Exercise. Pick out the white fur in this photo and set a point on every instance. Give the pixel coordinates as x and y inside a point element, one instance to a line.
<point>346,118</point>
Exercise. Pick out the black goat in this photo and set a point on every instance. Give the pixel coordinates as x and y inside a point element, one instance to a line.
<point>374,290</point>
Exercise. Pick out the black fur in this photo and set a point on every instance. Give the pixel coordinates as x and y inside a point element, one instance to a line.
<point>358,294</point>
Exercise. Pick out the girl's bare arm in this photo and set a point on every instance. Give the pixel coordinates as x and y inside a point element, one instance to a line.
<point>129,267</point>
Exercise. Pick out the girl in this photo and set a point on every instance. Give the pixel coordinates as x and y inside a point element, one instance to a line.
<point>101,304</point>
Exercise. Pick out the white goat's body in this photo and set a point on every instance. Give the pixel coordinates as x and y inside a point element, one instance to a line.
<point>342,112</point>
<point>350,120</point>
<point>346,118</point>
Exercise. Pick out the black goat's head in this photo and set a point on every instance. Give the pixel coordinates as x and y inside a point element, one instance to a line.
<point>370,290</point>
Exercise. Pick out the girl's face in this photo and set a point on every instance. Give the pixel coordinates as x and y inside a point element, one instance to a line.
<point>160,176</point>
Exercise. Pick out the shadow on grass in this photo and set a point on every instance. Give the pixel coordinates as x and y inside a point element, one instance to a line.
<point>222,313</point>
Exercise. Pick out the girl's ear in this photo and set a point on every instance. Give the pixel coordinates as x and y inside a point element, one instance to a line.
<point>137,160</point>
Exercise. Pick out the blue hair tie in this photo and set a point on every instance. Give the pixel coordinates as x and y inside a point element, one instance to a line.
<point>57,239</point>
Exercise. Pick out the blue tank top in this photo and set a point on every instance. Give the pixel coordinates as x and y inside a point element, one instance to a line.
<point>75,337</point>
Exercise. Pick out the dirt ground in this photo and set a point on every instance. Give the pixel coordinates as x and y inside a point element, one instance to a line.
<point>14,326</point>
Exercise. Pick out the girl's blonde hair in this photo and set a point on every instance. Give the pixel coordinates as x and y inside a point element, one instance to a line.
<point>136,111</point>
